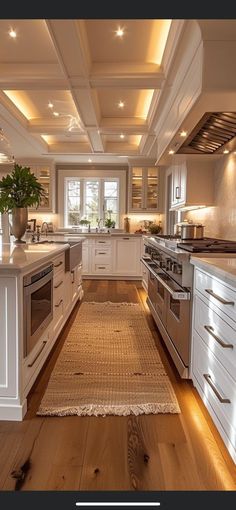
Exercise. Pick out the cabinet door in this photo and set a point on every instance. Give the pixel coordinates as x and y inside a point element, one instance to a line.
<point>8,338</point>
<point>137,192</point>
<point>182,183</point>
<point>151,188</point>
<point>45,177</point>
<point>85,257</point>
<point>176,189</point>
<point>127,254</point>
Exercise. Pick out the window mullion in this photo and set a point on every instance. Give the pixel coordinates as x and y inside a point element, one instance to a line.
<point>101,199</point>
<point>82,197</point>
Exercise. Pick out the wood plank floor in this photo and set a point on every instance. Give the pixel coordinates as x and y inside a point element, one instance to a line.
<point>153,452</point>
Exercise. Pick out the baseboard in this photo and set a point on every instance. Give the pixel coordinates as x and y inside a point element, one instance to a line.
<point>13,412</point>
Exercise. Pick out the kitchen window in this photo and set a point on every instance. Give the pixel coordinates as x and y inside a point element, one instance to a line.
<point>92,199</point>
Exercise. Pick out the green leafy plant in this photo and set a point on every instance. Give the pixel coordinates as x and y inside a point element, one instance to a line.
<point>110,223</point>
<point>21,188</point>
<point>84,222</point>
<point>154,228</point>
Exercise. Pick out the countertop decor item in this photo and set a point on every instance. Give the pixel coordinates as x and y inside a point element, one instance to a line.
<point>109,365</point>
<point>18,191</point>
<point>155,228</point>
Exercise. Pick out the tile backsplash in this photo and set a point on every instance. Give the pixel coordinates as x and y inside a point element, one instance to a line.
<point>220,220</point>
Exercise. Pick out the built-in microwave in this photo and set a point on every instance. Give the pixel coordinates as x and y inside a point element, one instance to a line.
<point>38,305</point>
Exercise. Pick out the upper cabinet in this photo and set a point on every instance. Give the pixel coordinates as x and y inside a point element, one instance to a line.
<point>143,189</point>
<point>192,183</point>
<point>45,173</point>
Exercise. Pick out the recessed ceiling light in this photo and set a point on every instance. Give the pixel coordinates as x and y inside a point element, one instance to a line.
<point>226,151</point>
<point>98,132</point>
<point>183,133</point>
<point>89,160</point>
<point>171,152</point>
<point>121,104</point>
<point>50,105</point>
<point>122,136</point>
<point>120,32</point>
<point>56,114</point>
<point>12,33</point>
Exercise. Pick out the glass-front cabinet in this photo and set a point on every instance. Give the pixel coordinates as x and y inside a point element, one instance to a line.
<point>44,174</point>
<point>143,189</point>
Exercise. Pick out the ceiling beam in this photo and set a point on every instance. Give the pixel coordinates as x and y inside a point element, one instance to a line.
<point>21,76</point>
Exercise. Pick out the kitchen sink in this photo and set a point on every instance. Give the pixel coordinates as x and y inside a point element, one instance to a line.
<point>73,255</point>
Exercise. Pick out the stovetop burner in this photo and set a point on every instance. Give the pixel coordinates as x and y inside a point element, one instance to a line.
<point>208,245</point>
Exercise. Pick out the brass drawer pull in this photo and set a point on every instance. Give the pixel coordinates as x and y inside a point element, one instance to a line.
<point>58,304</point>
<point>101,267</point>
<point>102,242</point>
<point>102,253</point>
<point>219,298</point>
<point>126,238</point>
<point>59,284</point>
<point>57,265</point>
<point>37,355</point>
<point>222,400</point>
<point>210,330</point>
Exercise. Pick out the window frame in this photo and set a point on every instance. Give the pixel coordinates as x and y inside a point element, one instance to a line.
<point>118,175</point>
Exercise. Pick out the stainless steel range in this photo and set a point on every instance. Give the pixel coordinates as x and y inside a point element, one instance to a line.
<point>170,282</point>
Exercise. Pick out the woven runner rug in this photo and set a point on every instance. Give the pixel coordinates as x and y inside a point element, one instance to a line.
<point>109,365</point>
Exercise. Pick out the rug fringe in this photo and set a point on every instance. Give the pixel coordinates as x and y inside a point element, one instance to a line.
<point>118,410</point>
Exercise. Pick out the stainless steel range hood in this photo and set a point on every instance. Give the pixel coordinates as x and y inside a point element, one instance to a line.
<point>211,133</point>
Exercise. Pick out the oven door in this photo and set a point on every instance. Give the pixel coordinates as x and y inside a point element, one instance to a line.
<point>156,294</point>
<point>38,310</point>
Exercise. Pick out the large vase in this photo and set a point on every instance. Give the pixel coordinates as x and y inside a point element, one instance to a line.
<point>19,223</point>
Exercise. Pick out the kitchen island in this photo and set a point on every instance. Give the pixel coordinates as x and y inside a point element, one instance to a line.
<point>38,290</point>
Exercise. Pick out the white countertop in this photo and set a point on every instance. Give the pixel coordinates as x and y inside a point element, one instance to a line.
<point>27,256</point>
<point>76,235</point>
<point>221,267</point>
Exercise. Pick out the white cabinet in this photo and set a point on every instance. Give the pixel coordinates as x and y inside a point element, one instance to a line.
<point>179,181</point>
<point>127,253</point>
<point>76,282</point>
<point>45,173</point>
<point>143,189</point>
<point>213,363</point>
<point>192,183</point>
<point>112,257</point>
<point>8,344</point>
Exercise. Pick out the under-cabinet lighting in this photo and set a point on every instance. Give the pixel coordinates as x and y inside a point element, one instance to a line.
<point>191,207</point>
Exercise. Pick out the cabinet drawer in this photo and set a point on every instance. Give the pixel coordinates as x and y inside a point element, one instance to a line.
<point>219,336</point>
<point>58,313</point>
<point>217,293</point>
<point>102,268</point>
<point>101,243</point>
<point>59,264</point>
<point>102,253</point>
<point>217,385</point>
<point>35,359</point>
<point>58,287</point>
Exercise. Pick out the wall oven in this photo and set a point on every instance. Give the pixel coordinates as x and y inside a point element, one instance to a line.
<point>38,305</point>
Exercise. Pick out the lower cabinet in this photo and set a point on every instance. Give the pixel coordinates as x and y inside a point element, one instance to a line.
<point>213,364</point>
<point>115,257</point>
<point>127,253</point>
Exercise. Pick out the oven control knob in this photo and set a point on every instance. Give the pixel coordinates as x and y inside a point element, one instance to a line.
<point>168,264</point>
<point>162,264</point>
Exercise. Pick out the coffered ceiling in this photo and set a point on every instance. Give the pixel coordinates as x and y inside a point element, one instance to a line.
<point>80,88</point>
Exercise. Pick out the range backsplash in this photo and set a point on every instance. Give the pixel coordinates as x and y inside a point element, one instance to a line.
<point>220,220</point>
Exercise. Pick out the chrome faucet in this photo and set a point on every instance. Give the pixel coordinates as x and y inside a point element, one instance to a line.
<point>43,229</point>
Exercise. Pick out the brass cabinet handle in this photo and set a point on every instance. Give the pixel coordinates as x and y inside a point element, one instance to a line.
<point>126,238</point>
<point>210,330</point>
<point>219,298</point>
<point>58,304</point>
<point>102,253</point>
<point>37,355</point>
<point>102,242</point>
<point>101,267</point>
<point>57,265</point>
<point>59,284</point>
<point>222,400</point>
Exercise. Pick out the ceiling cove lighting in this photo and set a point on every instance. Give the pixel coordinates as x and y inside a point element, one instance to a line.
<point>12,33</point>
<point>121,104</point>
<point>226,151</point>
<point>120,32</point>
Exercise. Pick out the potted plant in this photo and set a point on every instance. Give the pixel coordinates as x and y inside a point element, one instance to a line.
<point>18,191</point>
<point>109,223</point>
<point>85,223</point>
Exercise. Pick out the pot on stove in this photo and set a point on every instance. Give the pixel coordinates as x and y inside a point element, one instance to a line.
<point>192,231</point>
